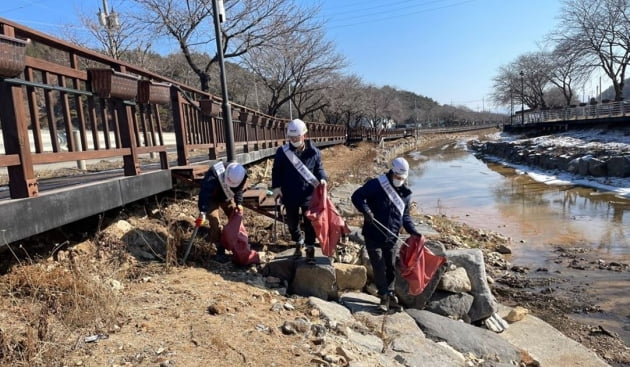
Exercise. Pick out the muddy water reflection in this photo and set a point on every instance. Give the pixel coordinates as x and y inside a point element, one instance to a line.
<point>539,218</point>
<point>448,180</point>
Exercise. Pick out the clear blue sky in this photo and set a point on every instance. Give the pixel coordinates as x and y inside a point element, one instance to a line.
<point>448,50</point>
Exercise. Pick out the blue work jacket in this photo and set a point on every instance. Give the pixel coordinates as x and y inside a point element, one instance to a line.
<point>372,197</point>
<point>296,191</point>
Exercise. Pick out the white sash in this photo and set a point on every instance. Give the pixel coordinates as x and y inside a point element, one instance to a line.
<point>392,194</point>
<point>219,169</point>
<point>299,166</point>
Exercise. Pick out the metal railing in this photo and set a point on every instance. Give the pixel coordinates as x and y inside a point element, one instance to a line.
<point>53,111</point>
<point>572,113</point>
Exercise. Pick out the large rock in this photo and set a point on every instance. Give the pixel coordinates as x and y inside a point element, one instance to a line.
<point>409,346</point>
<point>282,267</point>
<point>331,311</point>
<point>546,344</point>
<point>405,342</point>
<point>455,281</point>
<point>618,166</point>
<point>453,305</point>
<point>484,304</point>
<point>466,338</point>
<point>597,167</point>
<point>316,280</point>
<point>358,302</point>
<point>350,277</point>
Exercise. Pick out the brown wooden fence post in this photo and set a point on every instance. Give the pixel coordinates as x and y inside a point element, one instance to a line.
<point>131,166</point>
<point>179,125</point>
<point>243,117</point>
<point>22,180</point>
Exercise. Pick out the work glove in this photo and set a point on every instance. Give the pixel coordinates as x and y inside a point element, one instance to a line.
<point>322,182</point>
<point>239,209</point>
<point>368,218</point>
<point>277,192</point>
<point>201,219</point>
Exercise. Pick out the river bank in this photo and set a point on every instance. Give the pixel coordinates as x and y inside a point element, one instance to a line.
<point>151,312</point>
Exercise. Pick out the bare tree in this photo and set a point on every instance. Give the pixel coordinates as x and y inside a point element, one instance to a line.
<point>250,24</point>
<point>523,81</point>
<point>297,68</point>
<point>566,72</point>
<point>346,101</point>
<point>599,30</point>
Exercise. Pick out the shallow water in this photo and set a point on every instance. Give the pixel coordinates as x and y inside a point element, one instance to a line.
<point>449,180</point>
<point>539,218</point>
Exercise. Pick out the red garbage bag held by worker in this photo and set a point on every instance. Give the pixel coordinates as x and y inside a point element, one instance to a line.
<point>234,238</point>
<point>418,264</point>
<point>327,223</point>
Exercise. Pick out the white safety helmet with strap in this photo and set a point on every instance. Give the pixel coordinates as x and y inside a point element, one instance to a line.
<point>296,127</point>
<point>400,167</point>
<point>234,174</point>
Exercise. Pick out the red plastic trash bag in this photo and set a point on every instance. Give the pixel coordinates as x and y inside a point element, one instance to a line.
<point>418,264</point>
<point>328,224</point>
<point>234,238</point>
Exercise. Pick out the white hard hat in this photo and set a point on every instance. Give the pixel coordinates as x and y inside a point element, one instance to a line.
<point>400,166</point>
<point>296,127</point>
<point>234,174</point>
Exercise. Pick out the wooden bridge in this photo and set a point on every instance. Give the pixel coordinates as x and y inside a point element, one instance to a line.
<point>70,104</point>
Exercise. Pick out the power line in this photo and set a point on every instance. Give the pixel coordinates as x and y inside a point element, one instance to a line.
<point>380,19</point>
<point>22,6</point>
<point>389,8</point>
<point>360,6</point>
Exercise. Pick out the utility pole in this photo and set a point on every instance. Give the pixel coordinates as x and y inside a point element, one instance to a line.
<point>111,23</point>
<point>219,17</point>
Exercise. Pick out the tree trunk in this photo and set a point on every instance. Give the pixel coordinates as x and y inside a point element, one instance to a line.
<point>204,81</point>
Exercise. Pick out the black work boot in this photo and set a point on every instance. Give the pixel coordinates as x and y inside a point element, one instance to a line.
<point>298,249</point>
<point>393,302</point>
<point>310,254</point>
<point>384,305</point>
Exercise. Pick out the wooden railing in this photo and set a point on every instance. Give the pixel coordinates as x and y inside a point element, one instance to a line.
<point>55,97</point>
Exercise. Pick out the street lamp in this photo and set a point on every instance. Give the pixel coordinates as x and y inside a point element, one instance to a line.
<point>219,17</point>
<point>511,105</point>
<point>110,22</point>
<point>522,94</point>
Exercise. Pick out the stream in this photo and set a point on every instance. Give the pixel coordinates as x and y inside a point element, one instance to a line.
<point>540,219</point>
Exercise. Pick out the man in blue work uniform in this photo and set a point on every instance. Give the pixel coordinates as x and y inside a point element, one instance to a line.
<point>297,170</point>
<point>222,187</point>
<point>384,202</point>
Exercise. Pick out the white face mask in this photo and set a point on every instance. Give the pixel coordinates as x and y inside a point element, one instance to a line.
<point>397,183</point>
<point>297,144</point>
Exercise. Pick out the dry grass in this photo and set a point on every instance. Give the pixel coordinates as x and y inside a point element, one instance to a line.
<point>49,307</point>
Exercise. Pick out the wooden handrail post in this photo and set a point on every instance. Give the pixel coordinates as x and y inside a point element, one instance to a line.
<point>22,180</point>
<point>131,166</point>
<point>243,116</point>
<point>179,125</point>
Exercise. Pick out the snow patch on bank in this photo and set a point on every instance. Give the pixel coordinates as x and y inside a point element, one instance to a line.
<point>596,139</point>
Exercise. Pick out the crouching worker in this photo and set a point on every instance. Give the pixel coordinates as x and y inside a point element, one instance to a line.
<point>384,202</point>
<point>297,170</point>
<point>221,187</point>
